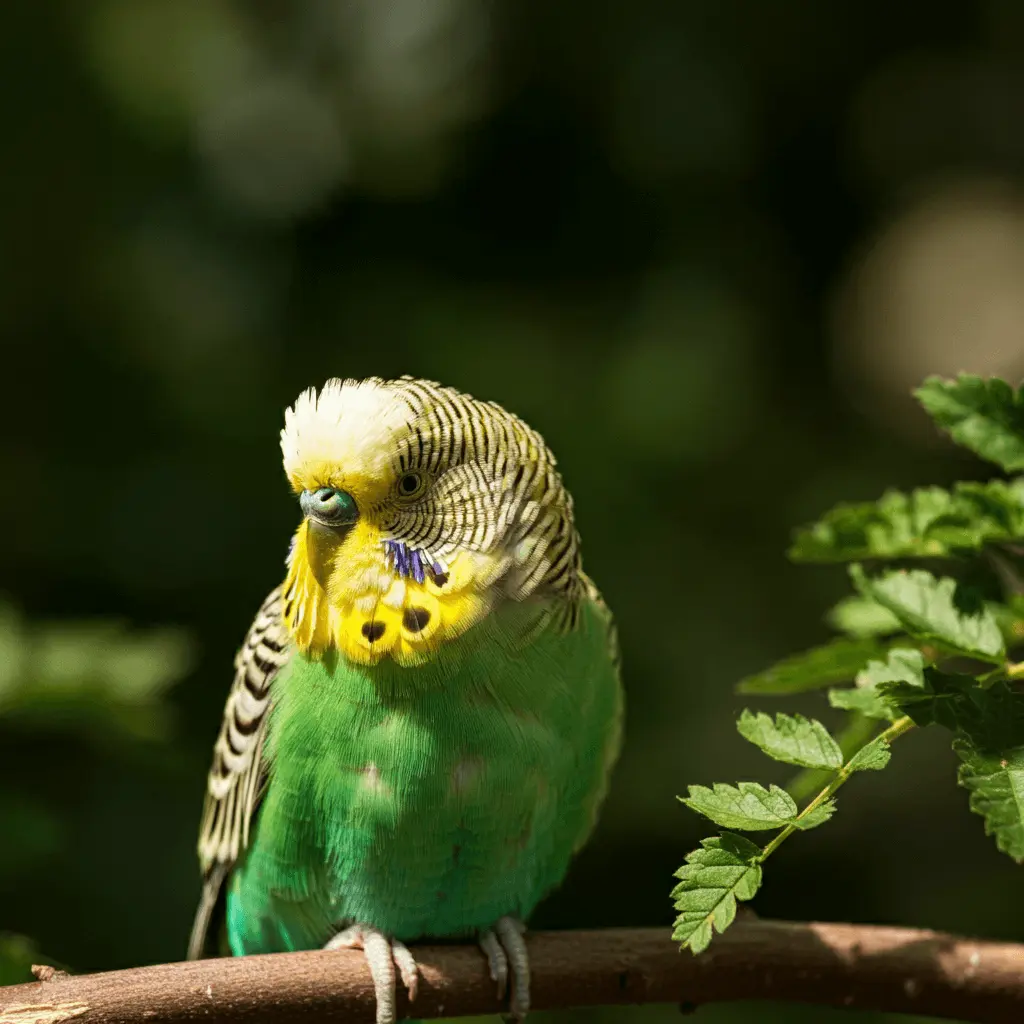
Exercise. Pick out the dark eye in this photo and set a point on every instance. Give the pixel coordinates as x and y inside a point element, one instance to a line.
<point>410,484</point>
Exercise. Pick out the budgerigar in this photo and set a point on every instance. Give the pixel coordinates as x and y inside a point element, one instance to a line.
<point>425,713</point>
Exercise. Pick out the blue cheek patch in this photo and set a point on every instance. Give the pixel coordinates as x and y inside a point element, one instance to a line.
<point>411,562</point>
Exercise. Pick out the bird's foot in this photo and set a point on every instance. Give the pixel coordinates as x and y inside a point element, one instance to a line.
<point>506,954</point>
<point>382,955</point>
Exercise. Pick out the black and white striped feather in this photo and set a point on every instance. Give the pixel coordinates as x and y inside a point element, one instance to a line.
<point>238,774</point>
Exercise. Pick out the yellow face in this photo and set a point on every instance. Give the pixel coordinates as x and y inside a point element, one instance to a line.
<point>353,584</point>
<point>421,508</point>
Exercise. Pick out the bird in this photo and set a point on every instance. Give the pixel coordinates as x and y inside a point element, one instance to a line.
<point>426,712</point>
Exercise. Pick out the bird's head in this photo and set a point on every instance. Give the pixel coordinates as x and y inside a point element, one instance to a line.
<point>422,508</point>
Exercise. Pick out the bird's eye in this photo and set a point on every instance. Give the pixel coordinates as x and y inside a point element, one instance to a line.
<point>410,484</point>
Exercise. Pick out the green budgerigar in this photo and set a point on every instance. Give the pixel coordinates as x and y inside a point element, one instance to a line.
<point>425,712</point>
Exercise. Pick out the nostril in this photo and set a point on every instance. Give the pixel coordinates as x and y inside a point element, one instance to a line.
<point>329,506</point>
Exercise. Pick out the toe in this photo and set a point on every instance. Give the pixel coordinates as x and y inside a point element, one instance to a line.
<point>350,938</point>
<point>510,934</point>
<point>407,967</point>
<point>497,961</point>
<point>377,951</point>
<point>381,957</point>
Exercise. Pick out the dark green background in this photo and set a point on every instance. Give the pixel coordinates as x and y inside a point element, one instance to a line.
<point>636,224</point>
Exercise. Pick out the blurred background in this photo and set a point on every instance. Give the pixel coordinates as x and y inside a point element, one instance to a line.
<point>705,246</point>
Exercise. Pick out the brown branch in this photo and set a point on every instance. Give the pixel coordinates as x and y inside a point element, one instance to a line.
<point>870,968</point>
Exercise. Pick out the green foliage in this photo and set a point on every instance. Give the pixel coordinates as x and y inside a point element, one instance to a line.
<point>872,757</point>
<point>862,618</point>
<point>904,664</point>
<point>901,664</point>
<point>862,699</point>
<point>927,523</point>
<point>996,784</point>
<point>986,416</point>
<point>922,649</point>
<point>936,698</point>
<point>793,739</point>
<point>725,869</point>
<point>835,662</point>
<point>751,807</point>
<point>927,608</point>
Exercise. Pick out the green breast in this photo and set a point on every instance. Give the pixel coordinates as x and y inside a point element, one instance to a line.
<point>428,801</point>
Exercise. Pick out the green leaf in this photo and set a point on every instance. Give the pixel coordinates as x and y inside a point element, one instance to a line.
<point>902,664</point>
<point>927,523</point>
<point>989,741</point>
<point>942,697</point>
<point>996,784</point>
<point>872,756</point>
<point>835,662</point>
<point>818,816</point>
<point>986,416</point>
<point>864,699</point>
<point>927,609</point>
<point>861,618</point>
<point>856,731</point>
<point>725,869</point>
<point>747,805</point>
<point>793,739</point>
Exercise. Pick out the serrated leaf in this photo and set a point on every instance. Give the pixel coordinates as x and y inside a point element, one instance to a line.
<point>873,756</point>
<point>818,816</point>
<point>927,609</point>
<point>792,739</point>
<point>926,523</point>
<point>989,741</point>
<point>942,697</point>
<point>747,805</point>
<point>901,664</point>
<point>996,784</point>
<point>835,662</point>
<point>986,416</point>
<point>725,869</point>
<point>858,617</point>
<point>864,699</point>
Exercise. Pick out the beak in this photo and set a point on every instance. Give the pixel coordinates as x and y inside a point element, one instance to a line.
<point>329,506</point>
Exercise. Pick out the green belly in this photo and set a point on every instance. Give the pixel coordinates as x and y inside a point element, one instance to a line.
<point>427,801</point>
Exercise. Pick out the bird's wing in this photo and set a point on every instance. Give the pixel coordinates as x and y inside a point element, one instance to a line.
<point>239,773</point>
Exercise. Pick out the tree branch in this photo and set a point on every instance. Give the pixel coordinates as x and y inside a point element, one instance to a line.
<point>864,967</point>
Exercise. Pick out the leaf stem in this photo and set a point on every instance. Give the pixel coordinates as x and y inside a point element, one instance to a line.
<point>897,729</point>
<point>1015,669</point>
<point>851,739</point>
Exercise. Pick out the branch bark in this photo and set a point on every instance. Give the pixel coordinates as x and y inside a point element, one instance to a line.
<point>864,967</point>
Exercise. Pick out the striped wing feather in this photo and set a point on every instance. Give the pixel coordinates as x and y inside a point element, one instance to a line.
<point>238,773</point>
